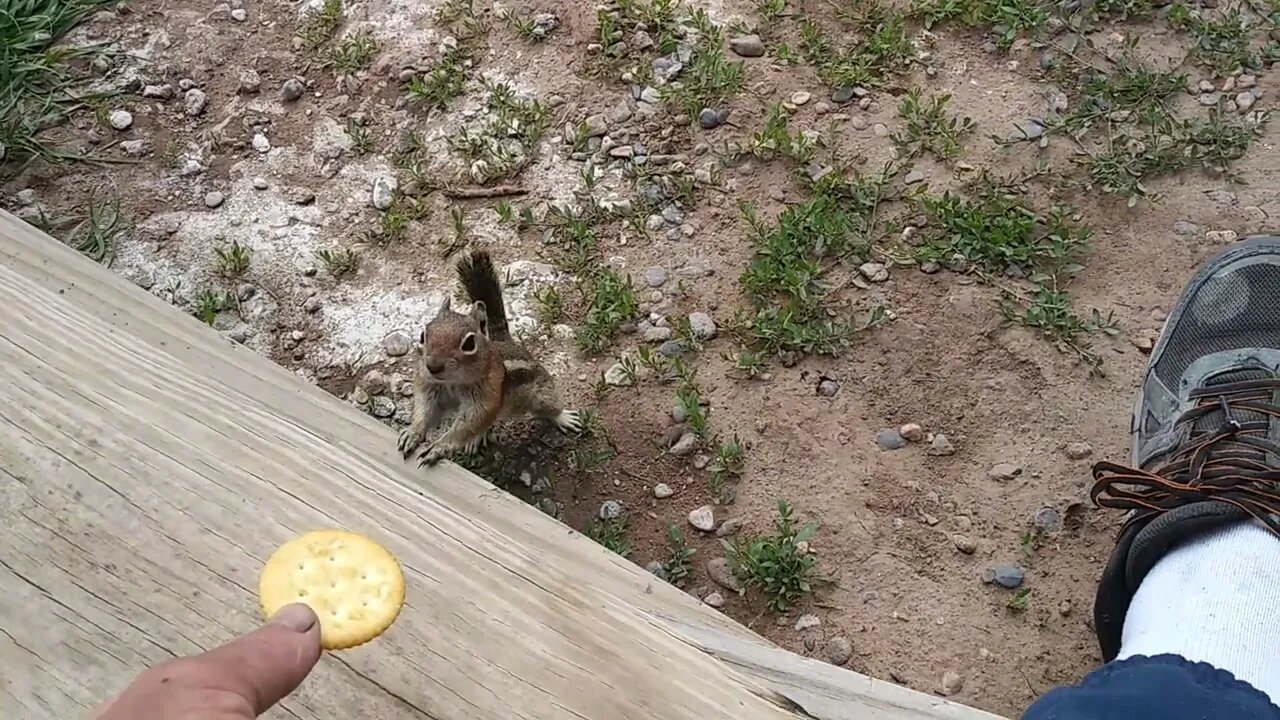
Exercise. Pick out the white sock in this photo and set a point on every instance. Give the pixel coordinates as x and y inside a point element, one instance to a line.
<point>1215,599</point>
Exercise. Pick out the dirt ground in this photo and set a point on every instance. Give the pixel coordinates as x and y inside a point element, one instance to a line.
<point>282,155</point>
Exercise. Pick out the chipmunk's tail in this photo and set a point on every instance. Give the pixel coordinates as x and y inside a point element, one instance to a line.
<point>480,281</point>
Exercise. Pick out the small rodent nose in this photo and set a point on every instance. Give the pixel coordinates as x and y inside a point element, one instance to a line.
<point>435,367</point>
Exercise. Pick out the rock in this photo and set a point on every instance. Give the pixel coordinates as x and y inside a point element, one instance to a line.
<point>312,304</point>
<point>158,92</point>
<point>1185,228</point>
<point>703,518</point>
<point>617,376</point>
<point>721,574</point>
<point>807,621</point>
<point>250,82</point>
<point>382,407</point>
<point>672,214</point>
<point>729,527</point>
<point>261,143</point>
<point>1004,471</point>
<point>610,510</point>
<point>597,126</point>
<point>663,491</point>
<point>1031,129</point>
<point>397,344</point>
<point>671,348</point>
<point>890,439</point>
<point>1047,520</point>
<point>657,568</point>
<point>750,46</point>
<point>214,199</point>
<point>383,193</point>
<point>190,167</point>
<point>1210,99</point>
<point>134,147</point>
<point>653,334</point>
<point>800,97</point>
<point>651,96</point>
<point>1009,576</point>
<point>952,683</point>
<point>120,119</point>
<point>292,90</point>
<point>239,14</point>
<point>1078,450</point>
<point>913,177</point>
<point>1244,82</point>
<point>828,387</point>
<point>911,432</point>
<point>715,600</point>
<point>1143,343</point>
<point>940,446</point>
<point>374,382</point>
<point>710,118</point>
<point>838,650</point>
<point>1221,237</point>
<point>195,102</point>
<point>873,271</point>
<point>847,93</point>
<point>702,326</point>
<point>1064,608</point>
<point>964,544</point>
<point>687,443</point>
<point>656,277</point>
<point>1245,101</point>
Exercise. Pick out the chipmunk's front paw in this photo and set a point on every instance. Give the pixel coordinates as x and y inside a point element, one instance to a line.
<point>571,421</point>
<point>433,454</point>
<point>475,444</point>
<point>409,441</point>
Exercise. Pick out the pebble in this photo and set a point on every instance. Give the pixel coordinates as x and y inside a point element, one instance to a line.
<point>597,126</point>
<point>703,518</point>
<point>158,92</point>
<point>710,118</point>
<point>1142,342</point>
<point>239,15</point>
<point>120,119</point>
<point>1004,471</point>
<point>715,600</point>
<point>807,621</point>
<point>729,527</point>
<point>913,177</point>
<point>750,46</point>
<point>828,387</point>
<point>1244,82</point>
<point>653,334</point>
<point>656,277</point>
<point>964,544</point>
<point>873,271</point>
<point>617,376</point>
<point>260,183</point>
<point>1221,236</point>
<point>702,326</point>
<point>1078,450</point>
<point>672,214</point>
<point>214,199</point>
<point>940,446</point>
<point>250,82</point>
<point>261,143</point>
<point>687,443</point>
<point>663,491</point>
<point>838,650</point>
<point>952,683</point>
<point>383,407</point>
<point>846,93</point>
<point>1185,228</point>
<point>191,166</point>
<point>801,97</point>
<point>312,304</point>
<point>911,432</point>
<point>397,343</point>
<point>292,90</point>
<point>134,147</point>
<point>1064,608</point>
<point>610,510</point>
<point>195,101</point>
<point>383,192</point>
<point>720,573</point>
<point>890,439</point>
<point>1047,520</point>
<point>1008,576</point>
<point>1210,99</point>
<point>1245,101</point>
<point>374,382</point>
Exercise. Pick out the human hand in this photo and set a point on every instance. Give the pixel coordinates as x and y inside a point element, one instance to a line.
<point>237,681</point>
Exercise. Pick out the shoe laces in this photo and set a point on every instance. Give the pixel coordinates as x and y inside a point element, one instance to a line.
<point>1227,457</point>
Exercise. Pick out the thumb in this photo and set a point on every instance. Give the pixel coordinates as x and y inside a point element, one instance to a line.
<point>269,663</point>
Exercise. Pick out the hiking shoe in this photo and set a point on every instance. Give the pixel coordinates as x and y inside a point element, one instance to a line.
<point>1206,425</point>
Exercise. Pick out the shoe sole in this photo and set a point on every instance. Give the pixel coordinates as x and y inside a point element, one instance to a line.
<point>1251,245</point>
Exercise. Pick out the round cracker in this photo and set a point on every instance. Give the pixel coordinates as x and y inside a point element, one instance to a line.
<point>353,584</point>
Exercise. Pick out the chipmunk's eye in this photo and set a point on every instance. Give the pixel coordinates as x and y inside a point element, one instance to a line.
<point>469,343</point>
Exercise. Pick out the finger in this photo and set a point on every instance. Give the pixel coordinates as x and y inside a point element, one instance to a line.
<point>269,663</point>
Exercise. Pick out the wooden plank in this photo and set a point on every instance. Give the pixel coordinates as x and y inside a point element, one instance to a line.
<point>148,467</point>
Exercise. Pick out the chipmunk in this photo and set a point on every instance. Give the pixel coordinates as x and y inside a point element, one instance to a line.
<point>471,372</point>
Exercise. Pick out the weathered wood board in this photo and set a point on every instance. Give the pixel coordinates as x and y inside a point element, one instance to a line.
<point>148,467</point>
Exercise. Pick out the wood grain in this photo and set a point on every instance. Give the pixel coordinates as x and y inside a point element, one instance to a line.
<point>148,467</point>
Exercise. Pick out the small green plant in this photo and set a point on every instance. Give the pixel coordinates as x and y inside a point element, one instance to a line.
<point>709,79</point>
<point>612,534</point>
<point>927,127</point>
<point>233,260</point>
<point>776,139</point>
<point>677,565</point>
<point>361,142</point>
<point>777,565</point>
<point>1223,43</point>
<point>95,232</point>
<point>443,82</point>
<point>1049,311</point>
<point>550,304</point>
<point>1006,20</point>
<point>394,223</point>
<point>612,303</point>
<point>881,49</point>
<point>339,261</point>
<point>352,54</point>
<point>728,461</point>
<point>320,26</point>
<point>207,304</point>
<point>508,142</point>
<point>696,414</point>
<point>1021,600</point>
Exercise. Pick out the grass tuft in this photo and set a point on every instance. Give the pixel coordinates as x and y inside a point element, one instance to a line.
<point>776,564</point>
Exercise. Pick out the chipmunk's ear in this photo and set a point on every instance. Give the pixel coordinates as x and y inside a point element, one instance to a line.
<point>480,314</point>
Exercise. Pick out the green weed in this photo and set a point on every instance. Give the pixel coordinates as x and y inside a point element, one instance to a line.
<point>777,564</point>
<point>549,303</point>
<point>96,231</point>
<point>339,261</point>
<point>676,568</point>
<point>612,299</point>
<point>1006,20</point>
<point>882,48</point>
<point>233,260</point>
<point>321,25</point>
<point>928,128</point>
<point>352,54</point>
<point>611,534</point>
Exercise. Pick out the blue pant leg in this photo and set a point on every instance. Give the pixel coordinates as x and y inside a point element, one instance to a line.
<point>1161,687</point>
